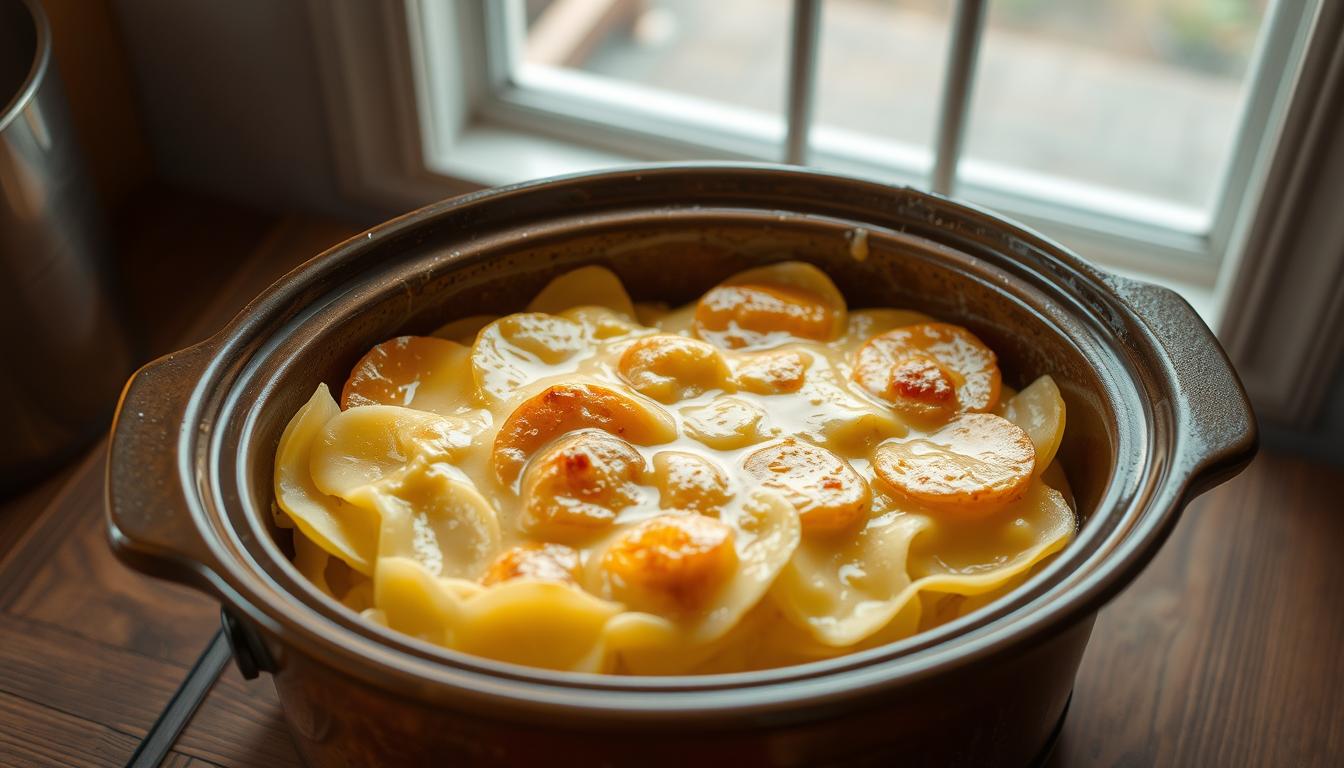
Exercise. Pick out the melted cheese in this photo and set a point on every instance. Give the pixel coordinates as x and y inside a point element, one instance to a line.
<point>598,486</point>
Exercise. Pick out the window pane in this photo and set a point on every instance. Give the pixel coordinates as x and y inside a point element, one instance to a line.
<point>1143,97</point>
<point>728,52</point>
<point>882,65</point>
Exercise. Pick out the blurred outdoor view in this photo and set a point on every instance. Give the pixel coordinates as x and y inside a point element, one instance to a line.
<point>1142,96</point>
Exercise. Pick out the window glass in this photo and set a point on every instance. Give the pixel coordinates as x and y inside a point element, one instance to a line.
<point>1142,96</point>
<point>732,52</point>
<point>882,64</point>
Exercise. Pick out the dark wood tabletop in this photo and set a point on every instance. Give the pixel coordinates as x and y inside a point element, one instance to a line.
<point>1226,651</point>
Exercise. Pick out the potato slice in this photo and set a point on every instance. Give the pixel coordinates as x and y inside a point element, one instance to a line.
<point>670,564</point>
<point>584,479</point>
<point>775,372</point>
<point>436,519</point>
<point>726,423</point>
<point>976,461</point>
<point>567,407</point>
<point>825,490</point>
<point>689,481</point>
<point>364,445</point>
<point>539,561</point>
<point>584,287</point>
<point>914,367</point>
<point>464,329</point>
<point>522,348</point>
<point>419,372</point>
<point>771,305</point>
<point>1039,411</point>
<point>342,529</point>
<point>672,368</point>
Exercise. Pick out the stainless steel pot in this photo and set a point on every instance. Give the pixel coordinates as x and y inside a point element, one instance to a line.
<point>66,345</point>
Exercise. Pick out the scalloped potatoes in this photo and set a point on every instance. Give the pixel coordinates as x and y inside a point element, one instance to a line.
<point>762,478</point>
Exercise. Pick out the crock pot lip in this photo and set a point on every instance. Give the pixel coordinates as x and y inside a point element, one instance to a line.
<point>1082,599</point>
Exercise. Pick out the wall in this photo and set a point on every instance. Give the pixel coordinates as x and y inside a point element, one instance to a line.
<point>231,101</point>
<point>1324,441</point>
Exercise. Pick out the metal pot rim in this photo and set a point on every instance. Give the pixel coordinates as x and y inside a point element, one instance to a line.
<point>41,61</point>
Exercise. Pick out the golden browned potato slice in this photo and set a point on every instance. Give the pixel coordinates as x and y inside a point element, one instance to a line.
<point>769,306</point>
<point>584,479</point>
<point>828,494</point>
<point>976,461</point>
<point>930,369</point>
<point>689,481</point>
<point>408,371</point>
<point>568,407</point>
<point>670,563</point>
<point>672,368</point>
<point>540,561</point>
<point>775,372</point>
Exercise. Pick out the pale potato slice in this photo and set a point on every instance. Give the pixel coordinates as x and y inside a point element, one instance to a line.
<point>344,530</point>
<point>534,622</point>
<point>364,445</point>
<point>771,305</point>
<point>971,556</point>
<point>672,368</point>
<point>774,372</point>
<point>464,329</point>
<point>842,590</point>
<point>931,369</point>
<point>974,462</point>
<point>411,600</point>
<point>1039,411</point>
<point>825,490</point>
<point>419,372</point>
<point>438,520</point>
<point>568,407</point>
<point>585,286</point>
<point>726,423</point>
<point>522,348</point>
<point>583,479</point>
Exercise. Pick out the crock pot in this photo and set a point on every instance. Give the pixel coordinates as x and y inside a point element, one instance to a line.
<point>1156,416</point>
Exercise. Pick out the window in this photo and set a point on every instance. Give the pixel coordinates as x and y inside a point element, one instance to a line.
<point>1127,130</point>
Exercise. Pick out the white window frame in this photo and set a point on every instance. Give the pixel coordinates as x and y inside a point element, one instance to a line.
<point>423,107</point>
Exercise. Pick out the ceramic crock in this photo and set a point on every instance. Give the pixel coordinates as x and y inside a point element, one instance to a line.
<point>1156,416</point>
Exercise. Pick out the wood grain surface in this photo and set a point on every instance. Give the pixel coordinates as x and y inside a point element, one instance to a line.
<point>1226,651</point>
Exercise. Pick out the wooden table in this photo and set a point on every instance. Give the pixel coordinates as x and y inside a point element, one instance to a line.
<point>1227,651</point>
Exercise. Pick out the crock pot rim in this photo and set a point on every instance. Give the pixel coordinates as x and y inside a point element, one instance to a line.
<point>1083,598</point>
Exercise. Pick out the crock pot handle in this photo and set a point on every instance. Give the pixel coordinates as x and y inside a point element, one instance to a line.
<point>1213,411</point>
<point>151,520</point>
